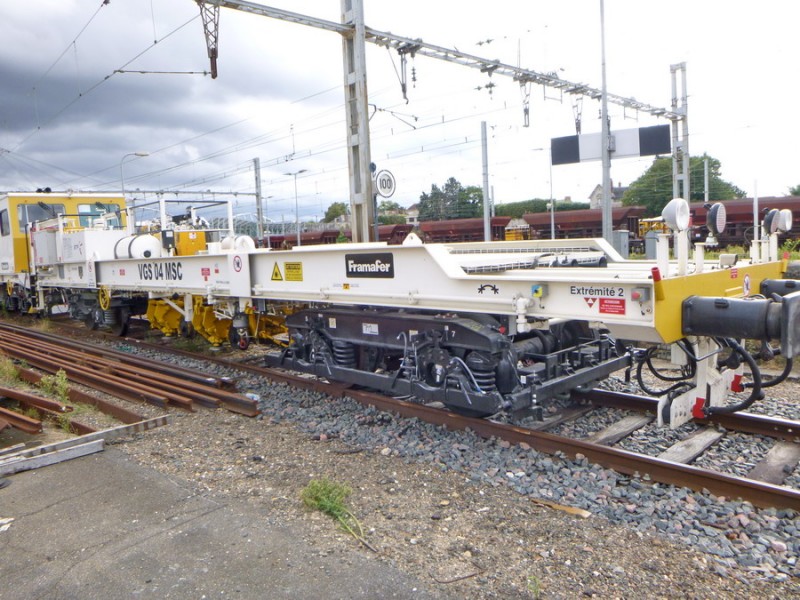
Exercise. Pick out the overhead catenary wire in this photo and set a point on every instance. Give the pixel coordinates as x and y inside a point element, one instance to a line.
<point>82,94</point>
<point>329,146</point>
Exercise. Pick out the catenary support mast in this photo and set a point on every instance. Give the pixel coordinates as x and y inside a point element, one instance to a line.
<point>355,34</point>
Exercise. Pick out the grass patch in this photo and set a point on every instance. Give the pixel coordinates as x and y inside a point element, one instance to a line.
<point>63,422</point>
<point>329,497</point>
<point>32,413</point>
<point>9,373</point>
<point>44,324</point>
<point>56,385</point>
<point>534,586</point>
<point>194,344</point>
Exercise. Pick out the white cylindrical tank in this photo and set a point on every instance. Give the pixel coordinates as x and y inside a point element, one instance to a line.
<point>238,242</point>
<point>138,246</point>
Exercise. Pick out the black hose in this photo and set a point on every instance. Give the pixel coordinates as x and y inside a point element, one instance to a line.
<point>683,345</point>
<point>756,394</point>
<point>655,393</point>
<point>775,380</point>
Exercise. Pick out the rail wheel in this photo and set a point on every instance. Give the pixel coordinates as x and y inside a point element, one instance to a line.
<point>186,329</point>
<point>121,321</point>
<point>238,339</point>
<point>90,320</point>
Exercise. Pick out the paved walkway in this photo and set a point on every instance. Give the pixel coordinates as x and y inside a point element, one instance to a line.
<point>104,527</point>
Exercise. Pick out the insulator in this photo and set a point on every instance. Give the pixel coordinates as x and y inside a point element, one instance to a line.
<point>344,353</point>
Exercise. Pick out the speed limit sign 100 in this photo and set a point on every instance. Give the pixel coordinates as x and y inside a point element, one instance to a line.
<point>384,183</point>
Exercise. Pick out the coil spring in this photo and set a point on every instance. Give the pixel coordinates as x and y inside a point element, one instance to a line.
<point>483,371</point>
<point>110,317</point>
<point>485,379</point>
<point>344,353</point>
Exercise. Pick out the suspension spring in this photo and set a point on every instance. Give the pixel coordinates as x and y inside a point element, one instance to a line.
<point>483,371</point>
<point>344,353</point>
<point>485,379</point>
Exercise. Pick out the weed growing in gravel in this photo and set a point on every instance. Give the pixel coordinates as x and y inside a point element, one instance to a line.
<point>534,586</point>
<point>8,370</point>
<point>328,497</point>
<point>32,413</point>
<point>195,344</point>
<point>64,423</point>
<point>57,385</point>
<point>44,324</point>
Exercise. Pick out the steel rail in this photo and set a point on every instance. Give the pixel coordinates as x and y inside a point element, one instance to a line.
<point>745,422</point>
<point>760,494</point>
<point>103,382</point>
<point>630,463</point>
<point>120,413</point>
<point>123,357</point>
<point>20,421</point>
<point>204,390</point>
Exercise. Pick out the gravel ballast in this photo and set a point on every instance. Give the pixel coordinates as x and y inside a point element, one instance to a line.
<point>468,513</point>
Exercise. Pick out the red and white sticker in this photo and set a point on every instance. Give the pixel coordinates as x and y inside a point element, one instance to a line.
<point>612,306</point>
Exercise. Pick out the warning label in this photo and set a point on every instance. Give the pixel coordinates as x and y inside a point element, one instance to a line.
<point>293,270</point>
<point>276,273</point>
<point>612,306</point>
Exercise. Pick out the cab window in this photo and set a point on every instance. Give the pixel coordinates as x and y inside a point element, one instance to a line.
<point>5,224</point>
<point>89,212</point>
<point>30,213</point>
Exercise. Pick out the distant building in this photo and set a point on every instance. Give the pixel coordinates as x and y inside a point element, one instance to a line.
<point>412,215</point>
<point>596,197</point>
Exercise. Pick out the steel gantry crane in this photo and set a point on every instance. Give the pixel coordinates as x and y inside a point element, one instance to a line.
<point>355,34</point>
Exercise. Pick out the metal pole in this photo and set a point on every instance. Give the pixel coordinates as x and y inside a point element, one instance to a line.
<point>357,116</point>
<point>296,211</point>
<point>606,137</point>
<point>552,203</point>
<point>487,228</point>
<point>259,207</point>
<point>122,160</point>
<point>296,205</point>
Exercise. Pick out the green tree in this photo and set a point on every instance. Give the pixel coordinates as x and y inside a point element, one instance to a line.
<point>389,206</point>
<point>654,188</point>
<point>515,210</point>
<point>391,219</point>
<point>452,201</point>
<point>794,191</point>
<point>335,210</point>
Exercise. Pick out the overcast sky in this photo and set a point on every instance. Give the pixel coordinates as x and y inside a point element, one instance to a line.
<point>68,116</point>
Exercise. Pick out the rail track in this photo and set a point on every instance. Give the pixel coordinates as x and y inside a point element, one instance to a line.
<point>762,486</point>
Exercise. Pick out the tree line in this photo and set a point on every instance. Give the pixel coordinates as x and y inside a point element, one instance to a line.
<point>652,190</point>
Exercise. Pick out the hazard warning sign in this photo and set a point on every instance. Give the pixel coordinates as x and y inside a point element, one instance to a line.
<point>276,273</point>
<point>294,271</point>
<point>612,306</point>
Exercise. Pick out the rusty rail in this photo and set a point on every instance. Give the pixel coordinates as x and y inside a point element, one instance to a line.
<point>630,463</point>
<point>123,379</point>
<point>741,421</point>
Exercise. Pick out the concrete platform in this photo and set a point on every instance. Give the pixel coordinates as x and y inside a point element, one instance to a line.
<point>104,527</point>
